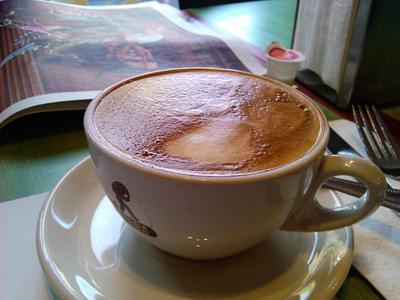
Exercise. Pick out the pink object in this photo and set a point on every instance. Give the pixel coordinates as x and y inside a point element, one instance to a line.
<point>283,54</point>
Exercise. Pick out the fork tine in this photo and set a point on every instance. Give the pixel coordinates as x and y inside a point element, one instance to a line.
<point>361,124</point>
<point>376,134</point>
<point>389,141</point>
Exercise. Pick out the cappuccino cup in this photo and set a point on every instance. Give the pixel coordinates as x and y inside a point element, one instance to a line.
<point>206,163</point>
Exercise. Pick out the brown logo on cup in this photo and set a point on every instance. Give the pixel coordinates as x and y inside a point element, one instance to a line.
<point>122,194</point>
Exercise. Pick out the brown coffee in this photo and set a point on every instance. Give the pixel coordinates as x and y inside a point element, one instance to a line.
<point>208,122</point>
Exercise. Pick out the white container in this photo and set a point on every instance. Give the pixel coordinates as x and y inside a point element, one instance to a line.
<point>283,64</point>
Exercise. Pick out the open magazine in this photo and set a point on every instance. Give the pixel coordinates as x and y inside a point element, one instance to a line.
<point>58,57</point>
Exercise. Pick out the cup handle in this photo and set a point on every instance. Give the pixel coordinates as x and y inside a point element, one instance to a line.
<point>312,216</point>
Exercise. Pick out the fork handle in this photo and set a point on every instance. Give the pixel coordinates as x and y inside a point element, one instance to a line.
<point>310,215</point>
<point>356,189</point>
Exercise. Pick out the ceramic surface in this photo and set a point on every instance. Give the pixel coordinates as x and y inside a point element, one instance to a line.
<point>231,213</point>
<point>87,251</point>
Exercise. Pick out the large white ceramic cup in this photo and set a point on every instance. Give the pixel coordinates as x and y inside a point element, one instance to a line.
<point>202,217</point>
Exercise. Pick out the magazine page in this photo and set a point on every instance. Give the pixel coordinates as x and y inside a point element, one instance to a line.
<point>50,48</point>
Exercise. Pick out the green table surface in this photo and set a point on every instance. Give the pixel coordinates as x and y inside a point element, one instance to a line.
<point>257,22</point>
<point>37,150</point>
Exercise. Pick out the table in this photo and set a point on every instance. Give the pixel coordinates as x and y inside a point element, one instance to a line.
<point>37,150</point>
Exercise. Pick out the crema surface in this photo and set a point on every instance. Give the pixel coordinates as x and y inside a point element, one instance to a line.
<point>207,122</point>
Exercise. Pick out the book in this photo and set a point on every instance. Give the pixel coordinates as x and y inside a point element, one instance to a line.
<point>57,56</point>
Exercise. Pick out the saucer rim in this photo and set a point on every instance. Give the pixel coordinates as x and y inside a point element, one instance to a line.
<point>63,291</point>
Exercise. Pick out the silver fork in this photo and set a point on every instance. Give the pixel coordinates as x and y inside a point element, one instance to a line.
<point>380,145</point>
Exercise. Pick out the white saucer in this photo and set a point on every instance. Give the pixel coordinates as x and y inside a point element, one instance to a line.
<point>87,251</point>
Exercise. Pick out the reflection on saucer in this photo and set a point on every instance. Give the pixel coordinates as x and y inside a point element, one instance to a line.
<point>234,275</point>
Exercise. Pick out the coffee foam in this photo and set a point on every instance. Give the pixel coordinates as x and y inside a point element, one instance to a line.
<point>207,122</point>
